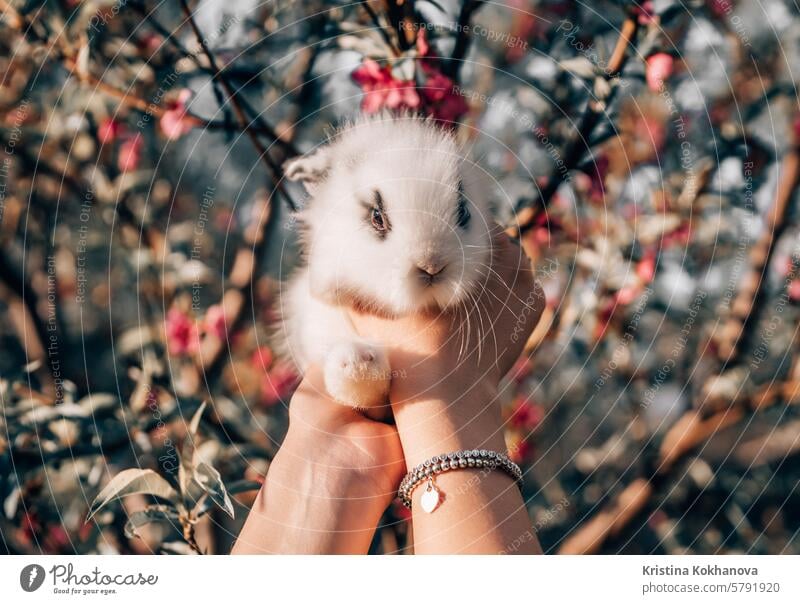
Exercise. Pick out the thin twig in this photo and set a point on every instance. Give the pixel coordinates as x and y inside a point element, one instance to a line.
<point>381,29</point>
<point>260,127</point>
<point>189,535</point>
<point>32,330</point>
<point>273,168</point>
<point>527,209</point>
<point>452,67</point>
<point>747,305</point>
<point>400,14</point>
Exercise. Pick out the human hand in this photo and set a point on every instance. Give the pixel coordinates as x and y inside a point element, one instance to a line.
<point>333,477</point>
<point>446,371</point>
<point>447,366</point>
<point>338,470</point>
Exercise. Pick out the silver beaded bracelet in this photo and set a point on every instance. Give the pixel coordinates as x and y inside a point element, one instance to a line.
<point>476,458</point>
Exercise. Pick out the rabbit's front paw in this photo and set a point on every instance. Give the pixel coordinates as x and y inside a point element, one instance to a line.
<point>357,374</point>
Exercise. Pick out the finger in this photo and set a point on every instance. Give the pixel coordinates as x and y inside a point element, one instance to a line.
<point>523,297</point>
<point>508,257</point>
<point>312,405</point>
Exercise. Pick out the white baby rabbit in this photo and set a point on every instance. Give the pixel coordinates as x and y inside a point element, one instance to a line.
<point>396,222</point>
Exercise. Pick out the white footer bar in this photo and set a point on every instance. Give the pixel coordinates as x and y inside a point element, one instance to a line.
<point>226,579</point>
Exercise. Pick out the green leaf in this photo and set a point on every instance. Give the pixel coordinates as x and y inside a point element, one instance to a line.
<point>151,513</point>
<point>187,453</point>
<point>183,467</point>
<point>211,481</point>
<point>233,488</point>
<point>195,423</point>
<point>131,482</point>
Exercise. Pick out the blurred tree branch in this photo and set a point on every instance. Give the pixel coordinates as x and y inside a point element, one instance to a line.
<point>452,68</point>
<point>274,169</point>
<point>526,210</point>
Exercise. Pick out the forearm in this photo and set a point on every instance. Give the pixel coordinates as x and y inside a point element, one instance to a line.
<point>482,511</point>
<point>307,508</point>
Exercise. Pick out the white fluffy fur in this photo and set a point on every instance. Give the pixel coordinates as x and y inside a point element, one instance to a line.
<point>417,167</point>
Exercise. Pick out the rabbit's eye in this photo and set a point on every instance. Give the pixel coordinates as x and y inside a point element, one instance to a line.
<point>376,215</point>
<point>377,220</point>
<point>462,213</point>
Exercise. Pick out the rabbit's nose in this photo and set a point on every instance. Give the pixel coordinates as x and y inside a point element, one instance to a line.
<point>428,270</point>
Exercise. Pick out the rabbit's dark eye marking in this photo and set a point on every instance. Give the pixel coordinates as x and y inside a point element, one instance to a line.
<point>462,211</point>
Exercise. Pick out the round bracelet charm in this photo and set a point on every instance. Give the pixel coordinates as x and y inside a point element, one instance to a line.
<point>430,497</point>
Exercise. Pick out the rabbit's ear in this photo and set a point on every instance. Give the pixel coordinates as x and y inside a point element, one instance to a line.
<point>310,169</point>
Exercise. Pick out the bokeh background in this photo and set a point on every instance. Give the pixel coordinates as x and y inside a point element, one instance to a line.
<point>646,154</point>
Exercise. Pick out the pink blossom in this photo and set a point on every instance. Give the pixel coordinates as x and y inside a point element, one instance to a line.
<point>368,74</point>
<point>423,48</point>
<point>225,220</point>
<point>525,24</point>
<point>130,153</point>
<point>451,109</point>
<point>373,101</point>
<point>604,314</point>
<point>278,384</point>
<point>644,12</point>
<point>151,43</point>
<point>646,267</point>
<point>719,7</point>
<point>108,130</point>
<point>659,68</point>
<point>57,538</point>
<point>182,334</point>
<point>262,358</point>
<point>439,93</point>
<point>437,87</point>
<point>174,122</point>
<point>525,414</point>
<point>382,90</point>
<point>215,321</point>
<point>438,97</point>
<point>401,94</point>
<point>680,236</point>
<point>784,264</point>
<point>443,101</point>
<point>519,449</point>
<point>626,295</point>
<point>521,369</point>
<point>794,290</point>
<point>541,235</point>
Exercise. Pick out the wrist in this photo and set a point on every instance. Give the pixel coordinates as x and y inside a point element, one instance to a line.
<point>308,507</point>
<point>321,468</point>
<point>442,420</point>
